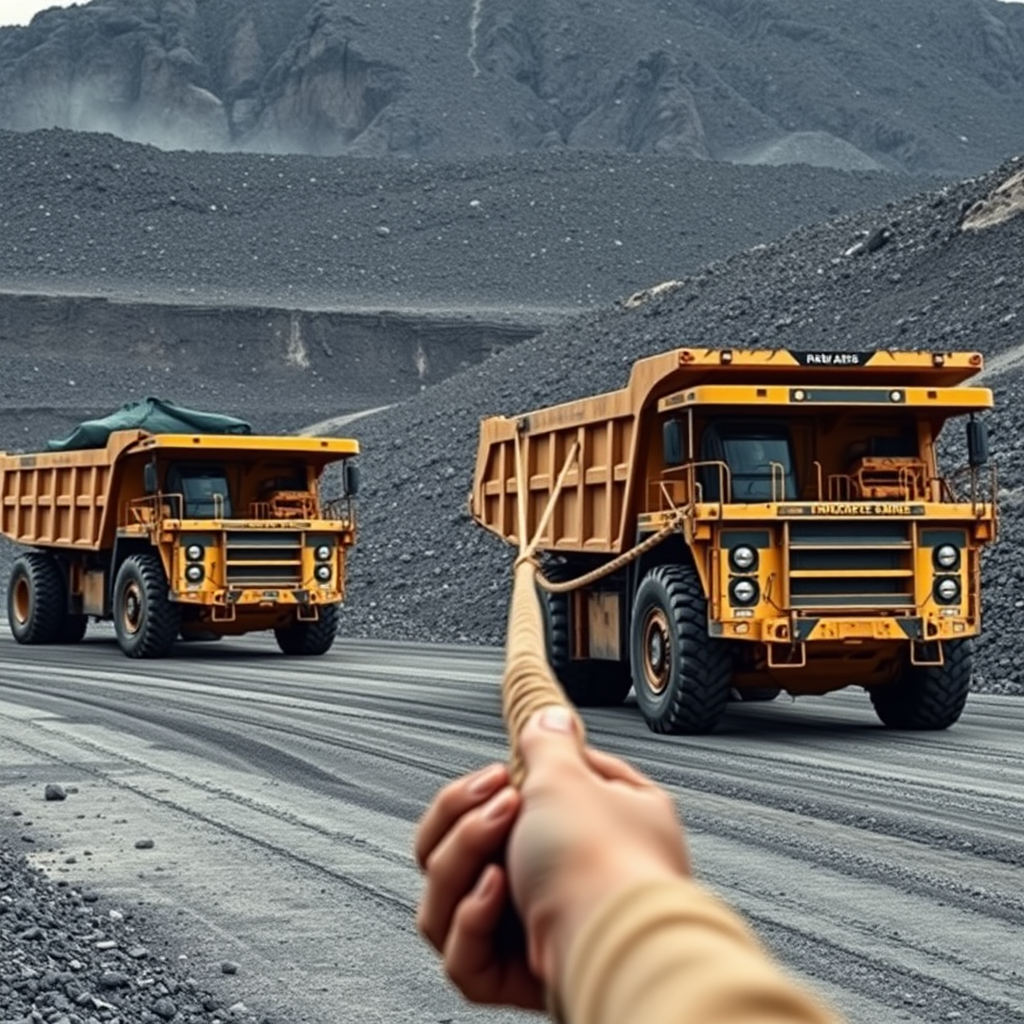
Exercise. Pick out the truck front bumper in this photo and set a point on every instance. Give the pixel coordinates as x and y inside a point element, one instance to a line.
<point>846,628</point>
<point>254,597</point>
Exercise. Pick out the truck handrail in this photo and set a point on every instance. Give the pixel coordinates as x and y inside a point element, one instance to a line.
<point>694,489</point>
<point>140,511</point>
<point>980,489</point>
<point>778,479</point>
<point>340,510</point>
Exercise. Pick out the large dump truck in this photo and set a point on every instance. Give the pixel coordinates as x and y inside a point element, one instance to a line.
<point>737,523</point>
<point>191,536</point>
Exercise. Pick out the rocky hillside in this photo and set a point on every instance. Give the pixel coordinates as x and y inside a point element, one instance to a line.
<point>91,214</point>
<point>928,86</point>
<point>424,570</point>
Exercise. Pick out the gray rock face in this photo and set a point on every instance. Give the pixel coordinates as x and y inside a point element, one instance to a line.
<point>325,92</point>
<point>908,85</point>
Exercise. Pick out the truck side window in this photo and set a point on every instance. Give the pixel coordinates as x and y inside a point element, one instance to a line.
<point>203,491</point>
<point>749,451</point>
<point>902,447</point>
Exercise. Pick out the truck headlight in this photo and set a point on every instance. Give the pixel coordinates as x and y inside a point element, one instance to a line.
<point>323,553</point>
<point>743,592</point>
<point>947,557</point>
<point>743,558</point>
<point>194,573</point>
<point>194,552</point>
<point>323,573</point>
<point>947,590</point>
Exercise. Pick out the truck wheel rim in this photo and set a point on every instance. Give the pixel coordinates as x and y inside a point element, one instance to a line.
<point>657,658</point>
<point>131,613</point>
<point>21,601</point>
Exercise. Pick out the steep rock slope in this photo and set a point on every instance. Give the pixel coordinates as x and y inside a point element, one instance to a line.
<point>915,85</point>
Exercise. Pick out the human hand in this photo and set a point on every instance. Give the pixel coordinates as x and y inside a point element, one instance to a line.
<point>459,846</point>
<point>584,827</point>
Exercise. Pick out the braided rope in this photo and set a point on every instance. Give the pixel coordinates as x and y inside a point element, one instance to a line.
<point>564,586</point>
<point>528,683</point>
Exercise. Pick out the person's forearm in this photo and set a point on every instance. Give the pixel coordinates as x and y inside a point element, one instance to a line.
<point>670,952</point>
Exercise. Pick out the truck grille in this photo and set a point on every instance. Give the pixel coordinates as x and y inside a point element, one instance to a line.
<point>271,558</point>
<point>843,565</point>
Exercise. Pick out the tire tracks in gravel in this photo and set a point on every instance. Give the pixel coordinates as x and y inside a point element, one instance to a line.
<point>860,802</point>
<point>873,977</point>
<point>445,726</point>
<point>389,901</point>
<point>878,864</point>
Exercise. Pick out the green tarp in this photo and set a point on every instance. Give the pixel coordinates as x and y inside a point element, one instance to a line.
<point>155,415</point>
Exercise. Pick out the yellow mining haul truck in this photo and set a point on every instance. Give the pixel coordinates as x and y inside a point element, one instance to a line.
<point>736,523</point>
<point>191,535</point>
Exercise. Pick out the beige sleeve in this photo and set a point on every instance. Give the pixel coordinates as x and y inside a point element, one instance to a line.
<point>671,953</point>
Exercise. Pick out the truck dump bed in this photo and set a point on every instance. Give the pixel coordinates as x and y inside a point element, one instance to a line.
<point>602,494</point>
<point>60,499</point>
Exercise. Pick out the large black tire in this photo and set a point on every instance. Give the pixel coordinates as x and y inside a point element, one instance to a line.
<point>73,629</point>
<point>36,599</point>
<point>310,638</point>
<point>593,683</point>
<point>681,675</point>
<point>146,620</point>
<point>928,696</point>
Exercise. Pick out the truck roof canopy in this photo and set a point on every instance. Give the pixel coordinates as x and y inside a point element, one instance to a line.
<point>751,397</point>
<point>927,369</point>
<point>683,369</point>
<point>328,448</point>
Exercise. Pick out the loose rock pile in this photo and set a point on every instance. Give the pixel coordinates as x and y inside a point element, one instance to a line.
<point>91,214</point>
<point>67,957</point>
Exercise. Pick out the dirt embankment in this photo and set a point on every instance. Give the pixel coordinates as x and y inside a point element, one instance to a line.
<point>68,357</point>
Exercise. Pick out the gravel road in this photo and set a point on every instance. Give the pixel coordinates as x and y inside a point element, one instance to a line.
<point>279,798</point>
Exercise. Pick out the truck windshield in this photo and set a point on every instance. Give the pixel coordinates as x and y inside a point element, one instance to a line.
<point>753,454</point>
<point>203,490</point>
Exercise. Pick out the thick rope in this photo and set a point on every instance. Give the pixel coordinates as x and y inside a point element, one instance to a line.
<point>564,586</point>
<point>528,684</point>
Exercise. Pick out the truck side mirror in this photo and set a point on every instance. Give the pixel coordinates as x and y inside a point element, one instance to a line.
<point>351,474</point>
<point>672,442</point>
<point>977,443</point>
<point>150,484</point>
